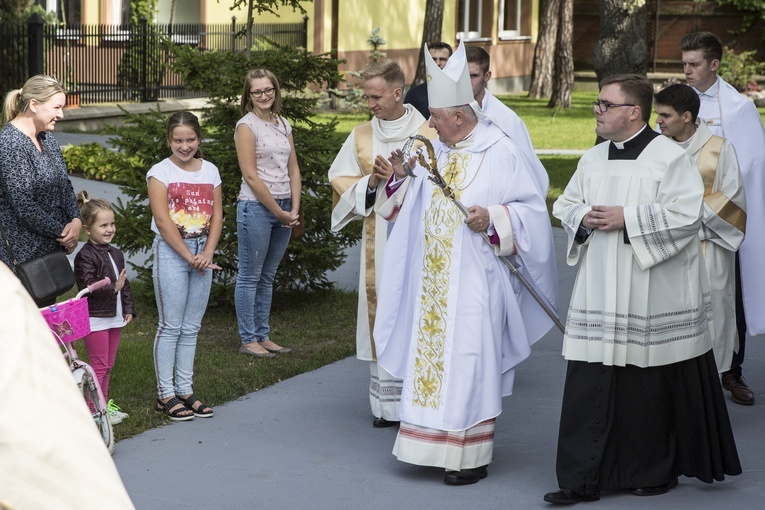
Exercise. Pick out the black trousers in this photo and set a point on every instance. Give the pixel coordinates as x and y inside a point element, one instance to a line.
<point>738,356</point>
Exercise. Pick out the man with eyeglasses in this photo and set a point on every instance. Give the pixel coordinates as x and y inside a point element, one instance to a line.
<point>418,95</point>
<point>734,117</point>
<point>641,402</point>
<point>358,173</point>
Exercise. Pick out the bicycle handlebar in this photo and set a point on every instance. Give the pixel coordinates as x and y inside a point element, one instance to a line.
<point>95,286</point>
<point>100,283</point>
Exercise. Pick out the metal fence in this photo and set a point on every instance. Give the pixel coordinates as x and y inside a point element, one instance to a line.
<point>110,63</point>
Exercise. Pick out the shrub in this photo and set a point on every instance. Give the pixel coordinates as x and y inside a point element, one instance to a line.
<point>739,69</point>
<point>93,161</point>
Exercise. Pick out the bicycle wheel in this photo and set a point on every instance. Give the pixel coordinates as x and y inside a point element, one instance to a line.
<point>100,413</point>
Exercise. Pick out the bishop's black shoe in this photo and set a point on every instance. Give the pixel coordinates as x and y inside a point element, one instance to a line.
<point>382,422</point>
<point>466,476</point>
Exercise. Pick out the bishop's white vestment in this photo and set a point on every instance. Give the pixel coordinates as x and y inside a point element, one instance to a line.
<point>451,320</point>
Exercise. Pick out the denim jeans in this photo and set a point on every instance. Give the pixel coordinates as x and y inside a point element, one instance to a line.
<point>182,294</point>
<point>262,243</point>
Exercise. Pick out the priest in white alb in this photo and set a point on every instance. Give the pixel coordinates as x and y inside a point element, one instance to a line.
<point>357,174</point>
<point>451,320</point>
<point>724,219</point>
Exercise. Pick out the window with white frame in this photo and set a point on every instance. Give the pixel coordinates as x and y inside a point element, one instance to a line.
<point>513,19</point>
<point>472,16</point>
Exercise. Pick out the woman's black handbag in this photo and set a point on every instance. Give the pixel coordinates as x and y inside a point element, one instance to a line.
<point>45,277</point>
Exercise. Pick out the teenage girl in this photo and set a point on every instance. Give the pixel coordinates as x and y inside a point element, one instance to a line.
<point>187,208</point>
<point>111,307</point>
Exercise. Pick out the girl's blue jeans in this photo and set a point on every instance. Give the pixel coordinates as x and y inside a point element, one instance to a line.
<point>182,294</point>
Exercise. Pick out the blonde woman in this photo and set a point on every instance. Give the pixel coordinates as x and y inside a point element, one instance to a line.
<point>38,208</point>
<point>269,199</point>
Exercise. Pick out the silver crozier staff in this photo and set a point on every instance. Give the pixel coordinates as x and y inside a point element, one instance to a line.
<point>438,180</point>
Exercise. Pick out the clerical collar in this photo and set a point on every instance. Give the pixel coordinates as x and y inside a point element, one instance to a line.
<point>632,147</point>
<point>626,143</point>
<point>465,142</point>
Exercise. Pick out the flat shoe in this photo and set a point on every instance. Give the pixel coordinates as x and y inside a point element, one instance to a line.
<point>245,350</point>
<point>382,422</point>
<point>568,497</point>
<point>466,476</point>
<point>655,491</point>
<point>280,350</point>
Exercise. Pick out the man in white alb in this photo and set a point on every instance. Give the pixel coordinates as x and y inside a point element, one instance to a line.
<point>734,117</point>
<point>360,169</point>
<point>724,220</point>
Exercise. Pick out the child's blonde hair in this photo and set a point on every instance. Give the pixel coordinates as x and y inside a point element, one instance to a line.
<point>89,209</point>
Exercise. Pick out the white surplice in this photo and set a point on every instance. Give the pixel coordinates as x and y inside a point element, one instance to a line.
<point>729,114</point>
<point>721,236</point>
<point>625,307</point>
<point>451,320</point>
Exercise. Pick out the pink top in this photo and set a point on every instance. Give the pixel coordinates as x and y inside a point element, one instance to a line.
<point>272,153</point>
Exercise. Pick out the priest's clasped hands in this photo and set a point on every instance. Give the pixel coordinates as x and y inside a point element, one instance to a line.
<point>604,217</point>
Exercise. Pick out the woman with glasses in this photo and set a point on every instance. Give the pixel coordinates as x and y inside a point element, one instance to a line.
<point>267,209</point>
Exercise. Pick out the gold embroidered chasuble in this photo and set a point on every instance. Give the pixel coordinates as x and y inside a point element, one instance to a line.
<point>442,219</point>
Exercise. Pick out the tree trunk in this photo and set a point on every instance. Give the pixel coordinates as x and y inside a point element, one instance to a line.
<point>431,32</point>
<point>621,47</point>
<point>564,58</point>
<point>544,53</point>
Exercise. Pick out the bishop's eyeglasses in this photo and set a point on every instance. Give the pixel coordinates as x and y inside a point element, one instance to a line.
<point>603,106</point>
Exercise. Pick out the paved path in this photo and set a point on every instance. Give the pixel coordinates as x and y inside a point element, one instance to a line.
<point>308,443</point>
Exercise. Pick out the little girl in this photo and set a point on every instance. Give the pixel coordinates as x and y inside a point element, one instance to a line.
<point>111,307</point>
<point>187,209</point>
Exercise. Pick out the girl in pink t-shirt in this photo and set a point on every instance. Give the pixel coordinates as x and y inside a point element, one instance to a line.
<point>187,216</point>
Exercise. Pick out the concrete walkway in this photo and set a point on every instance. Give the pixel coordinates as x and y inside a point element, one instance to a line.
<point>308,443</point>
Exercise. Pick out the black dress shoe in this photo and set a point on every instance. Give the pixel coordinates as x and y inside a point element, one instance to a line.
<point>382,422</point>
<point>655,491</point>
<point>568,497</point>
<point>466,476</point>
<point>740,392</point>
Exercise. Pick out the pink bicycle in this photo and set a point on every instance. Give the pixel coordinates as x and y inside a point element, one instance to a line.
<point>70,321</point>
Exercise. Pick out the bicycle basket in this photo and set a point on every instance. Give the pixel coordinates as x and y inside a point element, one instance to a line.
<point>68,320</point>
